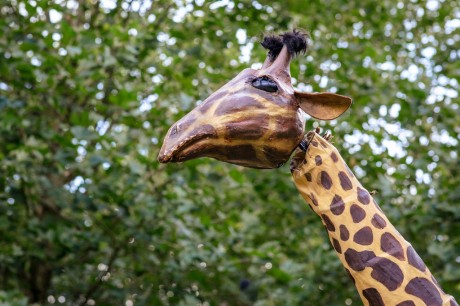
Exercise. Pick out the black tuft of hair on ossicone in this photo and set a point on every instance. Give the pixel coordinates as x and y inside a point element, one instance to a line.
<point>296,41</point>
<point>273,44</point>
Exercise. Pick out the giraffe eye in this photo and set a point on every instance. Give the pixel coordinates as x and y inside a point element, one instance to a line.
<point>266,84</point>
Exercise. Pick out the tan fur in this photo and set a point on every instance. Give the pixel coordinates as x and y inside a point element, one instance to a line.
<point>389,256</point>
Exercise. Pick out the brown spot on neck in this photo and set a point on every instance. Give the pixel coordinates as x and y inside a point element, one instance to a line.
<point>358,261</point>
<point>424,290</point>
<point>345,181</point>
<point>364,236</point>
<point>327,221</point>
<point>363,196</point>
<point>336,245</point>
<point>378,222</point>
<point>326,180</point>
<point>357,213</point>
<point>389,244</point>
<point>373,297</point>
<point>318,160</point>
<point>344,233</point>
<point>415,260</point>
<point>313,199</point>
<point>334,157</point>
<point>337,205</point>
<point>386,272</point>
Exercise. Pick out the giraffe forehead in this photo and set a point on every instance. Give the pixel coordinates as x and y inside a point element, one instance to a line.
<point>243,97</point>
<point>241,85</point>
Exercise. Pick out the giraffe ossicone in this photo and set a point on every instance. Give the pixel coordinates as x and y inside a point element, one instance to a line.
<point>256,119</point>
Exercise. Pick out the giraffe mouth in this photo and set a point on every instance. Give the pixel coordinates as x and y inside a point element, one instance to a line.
<point>176,154</point>
<point>179,147</point>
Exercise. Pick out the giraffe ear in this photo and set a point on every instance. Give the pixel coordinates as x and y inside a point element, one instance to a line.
<point>324,105</point>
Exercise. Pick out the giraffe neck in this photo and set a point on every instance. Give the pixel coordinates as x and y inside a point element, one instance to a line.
<point>384,267</point>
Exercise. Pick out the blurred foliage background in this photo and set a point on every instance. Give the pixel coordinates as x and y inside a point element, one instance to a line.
<point>88,90</point>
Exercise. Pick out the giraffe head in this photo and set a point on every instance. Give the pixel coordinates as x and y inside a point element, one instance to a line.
<point>256,119</point>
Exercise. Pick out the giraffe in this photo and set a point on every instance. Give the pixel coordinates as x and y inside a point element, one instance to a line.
<point>256,120</point>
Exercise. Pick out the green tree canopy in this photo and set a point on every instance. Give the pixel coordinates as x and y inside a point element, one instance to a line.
<point>88,90</point>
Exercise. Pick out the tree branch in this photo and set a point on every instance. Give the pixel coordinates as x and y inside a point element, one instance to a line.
<point>92,289</point>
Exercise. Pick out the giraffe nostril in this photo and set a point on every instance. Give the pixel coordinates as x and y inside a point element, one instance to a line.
<point>174,130</point>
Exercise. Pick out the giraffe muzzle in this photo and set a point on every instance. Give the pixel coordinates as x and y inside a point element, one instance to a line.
<point>182,144</point>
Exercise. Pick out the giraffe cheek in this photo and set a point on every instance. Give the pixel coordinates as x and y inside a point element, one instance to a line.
<point>247,130</point>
